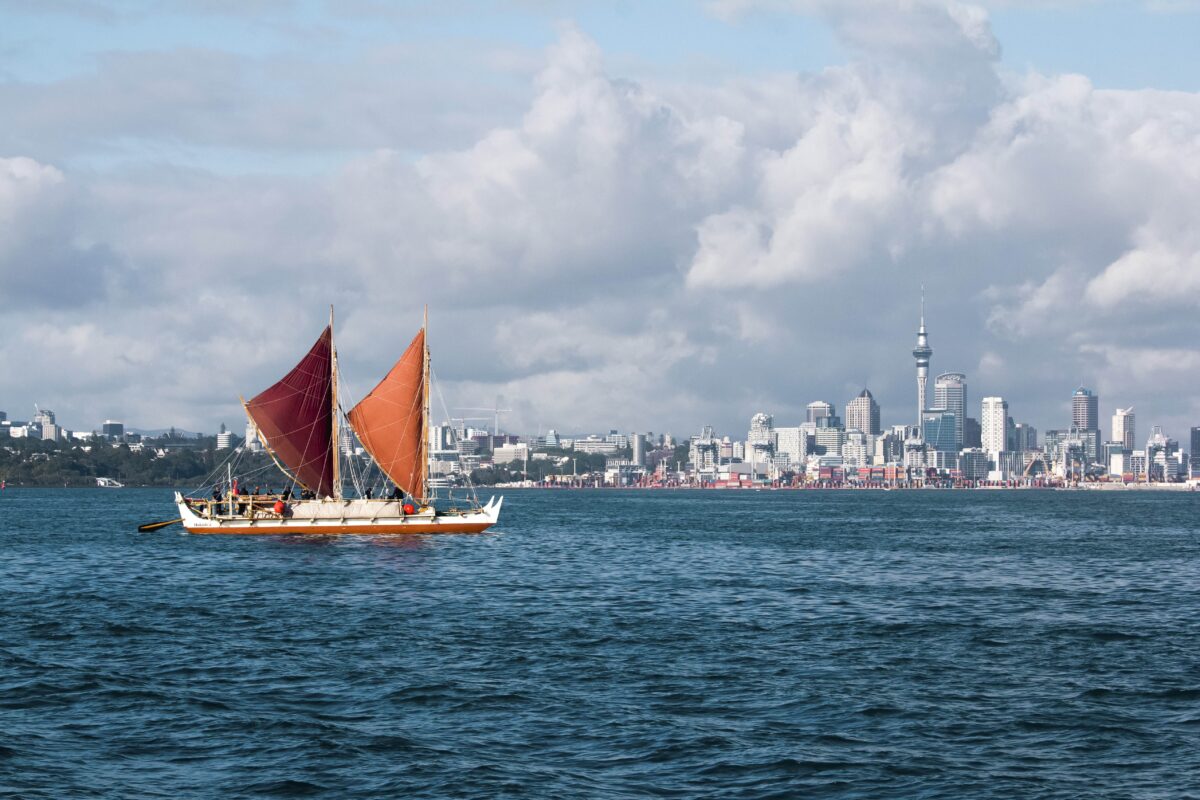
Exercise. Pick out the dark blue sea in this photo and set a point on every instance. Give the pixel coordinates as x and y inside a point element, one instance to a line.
<point>611,645</point>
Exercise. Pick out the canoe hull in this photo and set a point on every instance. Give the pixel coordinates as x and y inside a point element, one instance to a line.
<point>334,517</point>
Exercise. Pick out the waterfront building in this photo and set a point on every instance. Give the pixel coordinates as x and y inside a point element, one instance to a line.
<point>508,453</point>
<point>973,464</point>
<point>829,441</point>
<point>1195,465</point>
<point>941,430</point>
<point>862,413</point>
<point>1123,429</point>
<point>792,442</point>
<point>1120,462</point>
<point>972,433</point>
<point>1025,437</point>
<point>857,449</point>
<point>596,444</point>
<point>889,448</point>
<point>818,410</point>
<point>994,426</point>
<point>1110,451</point>
<point>922,353</point>
<point>950,393</point>
<point>638,444</point>
<point>1085,410</point>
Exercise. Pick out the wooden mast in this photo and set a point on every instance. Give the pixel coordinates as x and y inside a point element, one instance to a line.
<point>337,477</point>
<point>424,463</point>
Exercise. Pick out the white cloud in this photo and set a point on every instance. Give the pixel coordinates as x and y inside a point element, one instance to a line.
<point>618,251</point>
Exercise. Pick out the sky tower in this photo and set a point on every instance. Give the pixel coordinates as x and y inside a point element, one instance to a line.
<point>921,353</point>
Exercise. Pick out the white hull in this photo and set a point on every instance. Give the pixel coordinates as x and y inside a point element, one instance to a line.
<point>330,517</point>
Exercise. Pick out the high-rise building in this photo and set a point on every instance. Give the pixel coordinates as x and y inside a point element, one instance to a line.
<point>1195,454</point>
<point>224,438</point>
<point>1085,410</point>
<point>972,433</point>
<point>940,430</point>
<point>857,450</point>
<point>950,393</point>
<point>792,442</point>
<point>1123,427</point>
<point>111,429</point>
<point>829,441</point>
<point>1026,437</point>
<point>818,410</point>
<point>922,353</point>
<point>994,425</point>
<point>862,413</point>
<point>638,455</point>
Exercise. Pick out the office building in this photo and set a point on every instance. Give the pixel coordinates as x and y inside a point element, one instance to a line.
<point>792,442</point>
<point>972,433</point>
<point>1195,454</point>
<point>973,464</point>
<point>818,409</point>
<point>1085,410</point>
<point>224,438</point>
<point>862,413</point>
<point>857,450</point>
<point>1025,437</point>
<point>994,426</point>
<point>941,430</point>
<point>111,429</point>
<point>1123,429</point>
<point>950,393</point>
<point>638,444</point>
<point>829,441</point>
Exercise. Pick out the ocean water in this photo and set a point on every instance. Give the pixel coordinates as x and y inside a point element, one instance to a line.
<point>611,645</point>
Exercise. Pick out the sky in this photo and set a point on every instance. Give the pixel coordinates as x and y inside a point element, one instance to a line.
<point>641,216</point>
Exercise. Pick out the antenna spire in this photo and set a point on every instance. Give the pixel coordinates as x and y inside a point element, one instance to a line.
<point>922,305</point>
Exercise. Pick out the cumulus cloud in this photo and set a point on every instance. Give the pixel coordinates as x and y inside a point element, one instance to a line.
<point>616,251</point>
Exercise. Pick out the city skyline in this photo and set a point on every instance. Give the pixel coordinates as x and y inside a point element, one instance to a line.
<point>650,218</point>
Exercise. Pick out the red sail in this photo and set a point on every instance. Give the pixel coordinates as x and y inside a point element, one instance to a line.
<point>295,417</point>
<point>390,421</point>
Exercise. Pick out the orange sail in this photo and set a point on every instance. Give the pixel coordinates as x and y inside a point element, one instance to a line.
<point>390,421</point>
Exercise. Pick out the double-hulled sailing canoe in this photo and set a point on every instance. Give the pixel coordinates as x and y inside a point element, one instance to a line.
<point>299,421</point>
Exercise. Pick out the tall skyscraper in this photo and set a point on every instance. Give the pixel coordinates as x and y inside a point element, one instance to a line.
<point>862,413</point>
<point>1123,427</point>
<point>1085,410</point>
<point>940,429</point>
<point>922,353</point>
<point>950,393</point>
<point>994,423</point>
<point>972,433</point>
<point>819,410</point>
<point>1194,456</point>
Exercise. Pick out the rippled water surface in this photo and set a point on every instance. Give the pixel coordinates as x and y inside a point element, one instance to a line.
<point>611,644</point>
